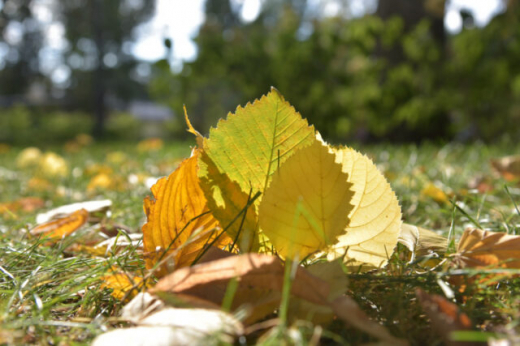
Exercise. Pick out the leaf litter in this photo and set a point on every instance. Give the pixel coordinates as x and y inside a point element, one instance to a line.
<point>213,240</point>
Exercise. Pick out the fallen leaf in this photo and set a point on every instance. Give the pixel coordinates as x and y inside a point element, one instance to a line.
<point>420,241</point>
<point>93,207</point>
<point>347,310</point>
<point>123,284</point>
<point>105,181</point>
<point>178,219</point>
<point>173,326</point>
<point>375,221</point>
<point>37,184</point>
<point>260,280</point>
<point>62,226</point>
<point>209,280</point>
<point>52,165</point>
<point>28,158</point>
<point>250,144</point>
<point>477,249</point>
<point>117,244</point>
<point>305,207</point>
<point>445,317</point>
<point>150,144</point>
<point>435,193</point>
<point>330,272</point>
<point>508,167</point>
<point>229,205</point>
<point>25,204</point>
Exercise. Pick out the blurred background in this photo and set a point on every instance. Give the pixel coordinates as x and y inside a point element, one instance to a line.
<point>367,71</point>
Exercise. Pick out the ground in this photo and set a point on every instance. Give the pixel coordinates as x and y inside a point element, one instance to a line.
<point>54,295</point>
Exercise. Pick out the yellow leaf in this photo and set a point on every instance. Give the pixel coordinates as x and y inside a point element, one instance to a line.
<point>123,285</point>
<point>179,222</point>
<point>305,207</point>
<point>150,144</point>
<point>226,202</point>
<point>435,193</point>
<point>479,249</point>
<point>62,226</point>
<point>105,181</point>
<point>52,165</point>
<point>375,220</point>
<point>250,144</point>
<point>28,158</point>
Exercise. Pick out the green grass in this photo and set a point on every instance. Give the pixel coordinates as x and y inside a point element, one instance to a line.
<point>52,295</point>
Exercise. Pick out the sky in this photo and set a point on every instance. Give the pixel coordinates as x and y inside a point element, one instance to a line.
<point>180,20</point>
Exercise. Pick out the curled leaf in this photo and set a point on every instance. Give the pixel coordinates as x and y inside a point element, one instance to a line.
<point>421,241</point>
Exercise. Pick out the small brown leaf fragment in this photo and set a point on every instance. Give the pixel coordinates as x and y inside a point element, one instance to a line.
<point>62,226</point>
<point>508,167</point>
<point>445,317</point>
<point>478,248</point>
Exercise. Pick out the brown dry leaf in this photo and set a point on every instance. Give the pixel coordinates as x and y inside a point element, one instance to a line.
<point>508,167</point>
<point>260,282</point>
<point>479,249</point>
<point>179,221</point>
<point>62,226</point>
<point>445,317</point>
<point>253,271</point>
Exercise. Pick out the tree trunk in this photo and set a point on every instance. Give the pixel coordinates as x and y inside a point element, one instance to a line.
<point>99,88</point>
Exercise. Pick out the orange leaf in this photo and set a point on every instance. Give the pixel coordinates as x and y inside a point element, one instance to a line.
<point>479,248</point>
<point>445,316</point>
<point>179,222</point>
<point>62,226</point>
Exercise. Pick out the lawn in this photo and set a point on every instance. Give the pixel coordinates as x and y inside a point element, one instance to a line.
<point>55,294</point>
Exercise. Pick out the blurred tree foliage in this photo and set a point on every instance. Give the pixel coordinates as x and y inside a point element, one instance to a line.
<point>21,40</point>
<point>340,73</point>
<point>100,35</point>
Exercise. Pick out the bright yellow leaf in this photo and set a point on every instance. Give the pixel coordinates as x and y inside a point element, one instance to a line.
<point>306,205</point>
<point>375,220</point>
<point>179,222</point>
